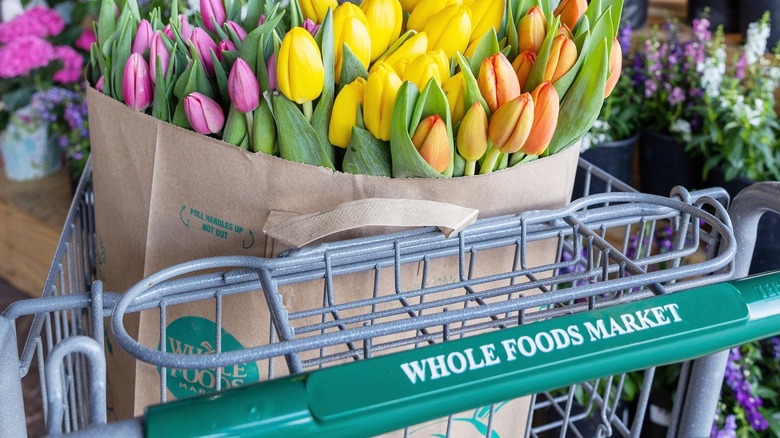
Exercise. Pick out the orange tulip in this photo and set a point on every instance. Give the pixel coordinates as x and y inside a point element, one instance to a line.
<point>570,11</point>
<point>431,141</point>
<point>472,138</point>
<point>546,108</point>
<point>563,56</point>
<point>510,125</point>
<point>522,66</point>
<point>531,30</point>
<point>497,81</point>
<point>564,30</point>
<point>615,67</point>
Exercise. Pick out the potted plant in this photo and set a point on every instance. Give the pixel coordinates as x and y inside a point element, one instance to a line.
<point>740,127</point>
<point>666,78</point>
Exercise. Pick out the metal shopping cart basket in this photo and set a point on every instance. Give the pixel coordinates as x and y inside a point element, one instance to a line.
<point>613,300</point>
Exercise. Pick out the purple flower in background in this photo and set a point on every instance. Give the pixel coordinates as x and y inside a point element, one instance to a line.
<point>676,97</point>
<point>729,429</point>
<point>624,37</point>
<point>741,67</point>
<point>701,30</point>
<point>743,391</point>
<point>650,87</point>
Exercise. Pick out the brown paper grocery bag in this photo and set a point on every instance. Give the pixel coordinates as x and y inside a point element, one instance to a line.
<point>164,195</point>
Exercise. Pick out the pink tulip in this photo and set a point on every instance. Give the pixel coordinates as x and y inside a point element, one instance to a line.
<point>271,64</point>
<point>212,11</point>
<point>204,45</point>
<point>204,114</point>
<point>243,88</point>
<point>184,29</point>
<point>158,51</point>
<point>143,37</point>
<point>240,32</point>
<point>311,26</point>
<point>261,21</point>
<point>136,83</point>
<point>101,83</point>
<point>224,46</point>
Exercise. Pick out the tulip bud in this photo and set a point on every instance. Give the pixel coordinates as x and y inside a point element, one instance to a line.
<point>497,81</point>
<point>455,88</point>
<point>271,65</point>
<point>315,10</point>
<point>570,11</point>
<point>410,49</point>
<point>431,141</point>
<point>379,98</point>
<point>243,88</point>
<point>261,20</point>
<point>240,32</point>
<point>311,26</point>
<point>564,30</point>
<point>158,51</point>
<point>346,106</point>
<point>563,56</point>
<point>213,14</point>
<point>425,10</point>
<point>100,84</point>
<point>299,70</point>
<point>433,64</point>
<point>350,27</point>
<point>510,125</point>
<point>522,66</point>
<point>546,108</point>
<point>225,46</point>
<point>615,67</point>
<point>204,45</point>
<point>204,114</point>
<point>485,14</point>
<point>143,37</point>
<point>185,29</point>
<point>384,24</point>
<point>136,84</point>
<point>472,139</point>
<point>409,5</point>
<point>531,30</point>
<point>449,30</point>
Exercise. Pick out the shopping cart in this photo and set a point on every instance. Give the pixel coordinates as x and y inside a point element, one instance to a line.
<point>408,355</point>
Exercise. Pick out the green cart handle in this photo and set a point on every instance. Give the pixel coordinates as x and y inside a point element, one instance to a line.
<point>389,392</point>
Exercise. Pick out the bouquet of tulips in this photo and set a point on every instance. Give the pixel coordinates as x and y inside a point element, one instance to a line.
<point>409,88</point>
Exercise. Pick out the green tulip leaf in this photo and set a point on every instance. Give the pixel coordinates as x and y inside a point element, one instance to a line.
<point>321,118</point>
<point>602,29</point>
<point>471,91</point>
<point>367,155</point>
<point>351,67</point>
<point>221,33</point>
<point>106,25</point>
<point>459,166</point>
<point>161,106</point>
<point>253,43</point>
<point>512,38</point>
<point>234,37</point>
<point>180,88</point>
<point>253,12</point>
<point>97,61</point>
<point>585,44</point>
<point>582,34</point>
<point>432,101</point>
<point>616,9</point>
<point>407,162</point>
<point>234,10</point>
<point>487,46</point>
<point>581,106</point>
<point>564,82</point>
<point>536,76</point>
<point>132,7</point>
<point>120,53</point>
<point>544,5</point>
<point>236,129</point>
<point>263,129</point>
<point>222,78</point>
<point>296,15</point>
<point>594,10</point>
<point>306,145</point>
<point>196,81</point>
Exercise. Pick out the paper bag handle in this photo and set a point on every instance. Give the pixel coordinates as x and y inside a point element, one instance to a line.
<point>303,229</point>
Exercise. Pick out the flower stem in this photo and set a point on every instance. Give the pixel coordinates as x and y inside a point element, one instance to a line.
<point>490,160</point>
<point>471,167</point>
<point>250,118</point>
<point>308,110</point>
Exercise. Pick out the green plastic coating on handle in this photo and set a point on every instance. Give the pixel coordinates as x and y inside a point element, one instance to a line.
<point>400,389</point>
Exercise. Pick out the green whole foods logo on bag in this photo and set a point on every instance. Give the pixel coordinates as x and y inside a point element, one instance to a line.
<point>193,335</point>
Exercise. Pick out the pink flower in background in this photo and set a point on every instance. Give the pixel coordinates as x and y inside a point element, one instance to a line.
<point>72,65</point>
<point>48,17</point>
<point>23,55</point>
<point>21,26</point>
<point>85,40</point>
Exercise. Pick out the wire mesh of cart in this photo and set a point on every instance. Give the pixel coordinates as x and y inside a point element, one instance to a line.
<point>439,357</point>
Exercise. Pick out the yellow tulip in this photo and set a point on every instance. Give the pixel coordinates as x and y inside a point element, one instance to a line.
<point>431,140</point>
<point>350,27</point>
<point>563,56</point>
<point>379,98</point>
<point>570,11</point>
<point>497,81</point>
<point>345,109</point>
<point>299,70</point>
<point>410,49</point>
<point>546,108</point>
<point>522,65</point>
<point>433,64</point>
<point>425,10</point>
<point>472,138</point>
<point>615,67</point>
<point>409,5</point>
<point>485,14</point>
<point>315,10</point>
<point>531,30</point>
<point>385,18</point>
<point>455,88</point>
<point>510,125</point>
<point>449,30</point>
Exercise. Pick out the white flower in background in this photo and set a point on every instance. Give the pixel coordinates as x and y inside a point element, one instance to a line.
<point>598,133</point>
<point>712,70</point>
<point>682,127</point>
<point>755,44</point>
